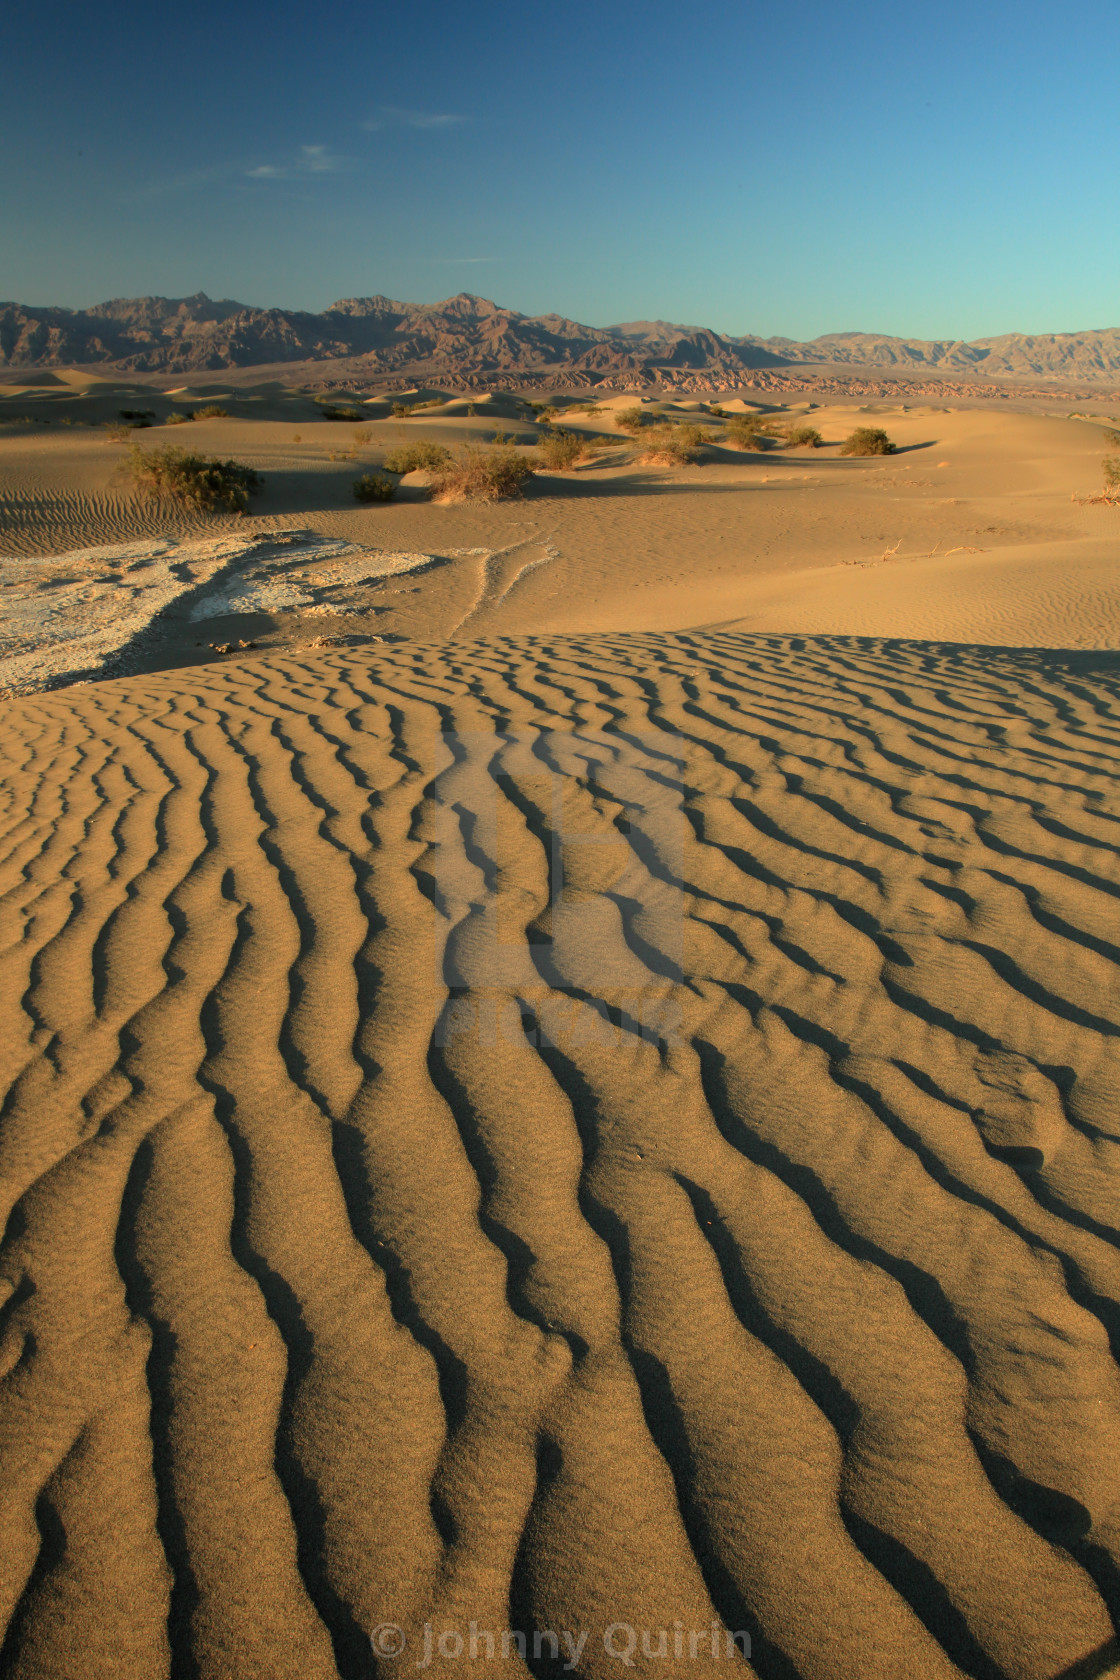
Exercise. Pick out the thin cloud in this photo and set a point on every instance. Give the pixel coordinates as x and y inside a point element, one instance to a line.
<point>311,160</point>
<point>396,116</point>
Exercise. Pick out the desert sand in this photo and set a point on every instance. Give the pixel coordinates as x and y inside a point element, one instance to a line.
<point>572,1087</point>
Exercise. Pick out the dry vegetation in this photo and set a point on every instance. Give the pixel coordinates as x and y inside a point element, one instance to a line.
<point>194,481</point>
<point>374,487</point>
<point>560,451</point>
<point>633,420</point>
<point>482,475</point>
<point>674,445</point>
<point>804,437</point>
<point>416,457</point>
<point>748,431</point>
<point>867,440</point>
<point>212,411</point>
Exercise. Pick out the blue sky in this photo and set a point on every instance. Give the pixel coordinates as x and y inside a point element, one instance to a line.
<point>935,170</point>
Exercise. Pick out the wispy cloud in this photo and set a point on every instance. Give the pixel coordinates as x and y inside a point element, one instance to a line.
<point>310,160</point>
<point>396,116</point>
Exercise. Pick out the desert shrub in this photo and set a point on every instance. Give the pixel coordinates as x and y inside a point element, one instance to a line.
<point>633,420</point>
<point>482,475</point>
<point>417,457</point>
<point>718,412</point>
<point>401,411</point>
<point>867,440</point>
<point>374,487</point>
<point>178,419</point>
<point>363,434</point>
<point>559,450</point>
<point>137,413</point>
<point>344,414</point>
<point>213,411</point>
<point>674,445</point>
<point>804,437</point>
<point>193,480</point>
<point>748,431</point>
<point>1111,468</point>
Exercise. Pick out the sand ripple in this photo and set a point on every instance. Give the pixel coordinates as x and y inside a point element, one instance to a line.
<point>374,1254</point>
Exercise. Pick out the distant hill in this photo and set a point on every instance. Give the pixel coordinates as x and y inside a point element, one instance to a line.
<point>470,340</point>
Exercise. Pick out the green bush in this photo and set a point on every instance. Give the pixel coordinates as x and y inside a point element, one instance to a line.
<point>401,411</point>
<point>194,481</point>
<point>560,451</point>
<point>804,437</point>
<point>344,414</point>
<point>482,475</point>
<point>374,487</point>
<point>868,440</point>
<point>178,419</point>
<point>213,411</point>
<point>416,457</point>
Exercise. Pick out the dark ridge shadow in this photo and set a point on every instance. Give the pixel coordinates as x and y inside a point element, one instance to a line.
<point>352,1651</point>
<point>52,1550</point>
<point>520,1257</point>
<point>1063,1521</point>
<point>922,1289</point>
<point>170,1526</point>
<point>1097,1664</point>
<point>523,1587</point>
<point>349,1148</point>
<point>1025,1159</point>
<point>662,1414</point>
<point>909,1576</point>
<point>915,1582</point>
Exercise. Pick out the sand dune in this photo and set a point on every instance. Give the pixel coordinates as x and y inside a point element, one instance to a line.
<point>978,530</point>
<point>557,1131</point>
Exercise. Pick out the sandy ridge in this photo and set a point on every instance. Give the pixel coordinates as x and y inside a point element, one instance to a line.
<point>294,1242</point>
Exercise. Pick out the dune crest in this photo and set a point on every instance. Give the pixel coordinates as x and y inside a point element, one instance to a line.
<point>373,1257</point>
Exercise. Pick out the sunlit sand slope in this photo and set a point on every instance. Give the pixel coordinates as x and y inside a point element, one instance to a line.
<point>362,1270</point>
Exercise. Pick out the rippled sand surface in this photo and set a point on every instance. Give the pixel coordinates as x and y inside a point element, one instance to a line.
<point>563,1131</point>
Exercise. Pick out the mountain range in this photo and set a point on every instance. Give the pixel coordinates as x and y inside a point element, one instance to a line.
<point>471,342</point>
